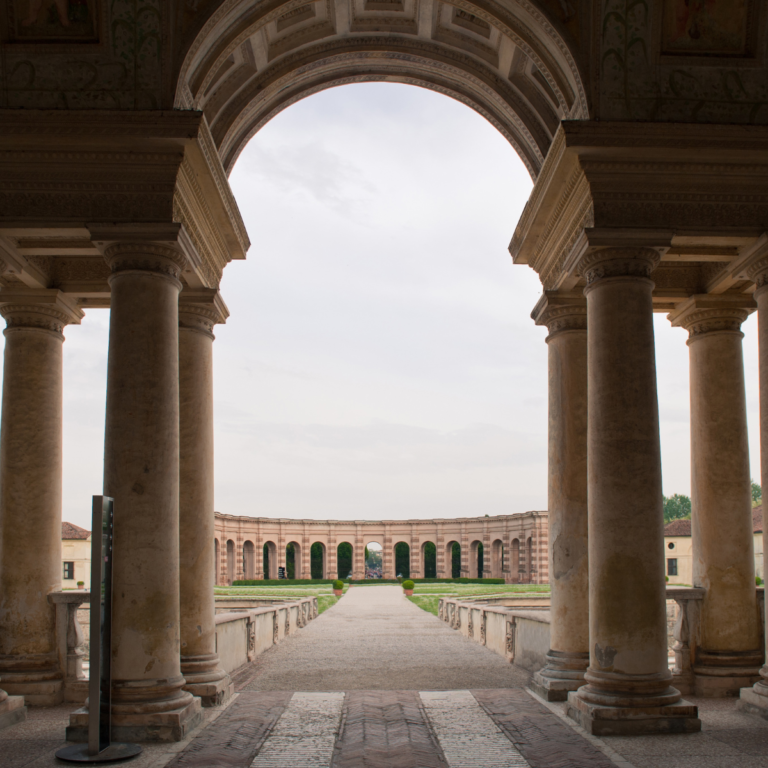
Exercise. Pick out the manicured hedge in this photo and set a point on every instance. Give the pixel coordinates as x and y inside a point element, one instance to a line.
<point>279,582</point>
<point>308,582</point>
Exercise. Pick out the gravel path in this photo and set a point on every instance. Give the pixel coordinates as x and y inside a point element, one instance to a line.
<point>374,638</point>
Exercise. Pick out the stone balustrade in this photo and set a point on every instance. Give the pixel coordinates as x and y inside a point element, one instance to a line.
<point>70,642</point>
<point>522,634</point>
<point>241,635</point>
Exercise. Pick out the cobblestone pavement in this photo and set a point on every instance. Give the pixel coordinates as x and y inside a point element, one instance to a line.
<point>374,638</point>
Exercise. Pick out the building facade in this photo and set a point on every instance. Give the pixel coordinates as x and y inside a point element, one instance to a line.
<point>75,556</point>
<point>678,549</point>
<point>514,546</point>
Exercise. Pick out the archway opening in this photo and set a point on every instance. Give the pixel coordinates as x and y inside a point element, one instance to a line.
<point>497,559</point>
<point>402,560</point>
<point>293,561</point>
<point>230,561</point>
<point>476,559</point>
<point>269,554</point>
<point>344,553</point>
<point>429,559</point>
<point>249,560</point>
<point>317,561</point>
<point>453,559</point>
<point>514,564</point>
<point>374,560</point>
<point>529,560</point>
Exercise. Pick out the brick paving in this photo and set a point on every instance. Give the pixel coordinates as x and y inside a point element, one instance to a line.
<point>384,729</point>
<point>542,737</point>
<point>238,734</point>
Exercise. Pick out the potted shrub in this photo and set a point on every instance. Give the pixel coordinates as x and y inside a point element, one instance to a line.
<point>408,587</point>
<point>80,584</point>
<point>338,587</point>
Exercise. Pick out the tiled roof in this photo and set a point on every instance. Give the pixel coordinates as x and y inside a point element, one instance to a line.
<point>72,531</point>
<point>678,528</point>
<point>683,527</point>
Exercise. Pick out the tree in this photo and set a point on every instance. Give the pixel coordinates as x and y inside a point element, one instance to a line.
<point>316,560</point>
<point>757,494</point>
<point>676,507</point>
<point>367,555</point>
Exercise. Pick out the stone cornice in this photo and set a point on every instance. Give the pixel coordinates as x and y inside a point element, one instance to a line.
<point>369,523</point>
<point>63,169</point>
<point>679,184</point>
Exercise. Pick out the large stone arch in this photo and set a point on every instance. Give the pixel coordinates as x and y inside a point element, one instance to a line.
<point>506,60</point>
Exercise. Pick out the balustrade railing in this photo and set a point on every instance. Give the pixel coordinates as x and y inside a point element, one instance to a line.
<point>71,642</point>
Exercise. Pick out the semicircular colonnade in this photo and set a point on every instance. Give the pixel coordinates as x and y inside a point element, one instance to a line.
<point>500,535</point>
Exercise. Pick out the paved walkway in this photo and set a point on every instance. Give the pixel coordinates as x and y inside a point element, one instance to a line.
<point>374,638</point>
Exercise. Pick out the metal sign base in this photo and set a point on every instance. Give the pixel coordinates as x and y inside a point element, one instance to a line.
<point>78,753</point>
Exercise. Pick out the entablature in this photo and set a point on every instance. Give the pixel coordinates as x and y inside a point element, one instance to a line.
<point>695,193</point>
<point>66,176</point>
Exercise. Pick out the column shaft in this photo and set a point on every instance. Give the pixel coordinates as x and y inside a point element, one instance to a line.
<point>628,681</point>
<point>199,660</point>
<point>729,654</point>
<point>567,506</point>
<point>141,473</point>
<point>755,699</point>
<point>30,493</point>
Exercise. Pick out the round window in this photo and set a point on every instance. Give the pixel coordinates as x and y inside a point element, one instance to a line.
<point>671,545</point>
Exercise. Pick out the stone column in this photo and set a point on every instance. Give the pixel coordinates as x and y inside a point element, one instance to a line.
<point>199,310</point>
<point>729,655</point>
<point>628,681</point>
<point>568,657</point>
<point>30,497</point>
<point>755,699</point>
<point>141,473</point>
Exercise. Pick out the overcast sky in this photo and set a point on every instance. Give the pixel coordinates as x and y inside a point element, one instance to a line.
<point>380,360</point>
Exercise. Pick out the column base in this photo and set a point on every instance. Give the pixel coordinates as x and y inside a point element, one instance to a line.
<point>723,674</point>
<point>12,711</point>
<point>173,725</point>
<point>564,673</point>
<point>37,692</point>
<point>212,694</point>
<point>754,700</point>
<point>602,720</point>
<point>204,678</point>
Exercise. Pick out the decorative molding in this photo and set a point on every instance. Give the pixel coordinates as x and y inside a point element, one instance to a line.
<point>618,262</point>
<point>39,309</point>
<point>702,314</point>
<point>146,257</point>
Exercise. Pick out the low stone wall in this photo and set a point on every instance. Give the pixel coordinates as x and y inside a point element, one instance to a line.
<point>242,635</point>
<point>519,635</point>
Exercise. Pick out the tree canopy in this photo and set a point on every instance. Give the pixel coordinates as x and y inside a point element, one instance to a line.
<point>676,507</point>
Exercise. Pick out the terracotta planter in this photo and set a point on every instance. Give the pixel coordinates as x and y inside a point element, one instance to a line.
<point>337,592</point>
<point>408,592</point>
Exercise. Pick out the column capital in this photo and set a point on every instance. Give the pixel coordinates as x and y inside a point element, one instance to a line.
<point>560,312</point>
<point>42,309</point>
<point>704,314</point>
<point>163,249</point>
<point>627,261</point>
<point>200,309</point>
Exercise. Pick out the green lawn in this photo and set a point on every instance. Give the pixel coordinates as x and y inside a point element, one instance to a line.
<point>427,603</point>
<point>313,590</point>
